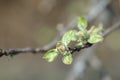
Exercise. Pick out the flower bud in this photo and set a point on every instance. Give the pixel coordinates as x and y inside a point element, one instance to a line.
<point>61,48</point>
<point>80,33</point>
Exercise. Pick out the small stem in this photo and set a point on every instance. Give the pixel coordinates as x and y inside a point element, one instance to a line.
<point>78,48</point>
<point>17,51</point>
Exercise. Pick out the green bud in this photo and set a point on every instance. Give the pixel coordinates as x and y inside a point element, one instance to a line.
<point>82,23</point>
<point>10,56</point>
<point>91,29</point>
<point>51,55</point>
<point>96,30</point>
<point>94,38</point>
<point>69,36</point>
<point>67,59</point>
<point>79,44</point>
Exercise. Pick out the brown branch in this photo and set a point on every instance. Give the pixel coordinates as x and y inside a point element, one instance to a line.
<point>40,50</point>
<point>51,45</point>
<point>20,50</point>
<point>112,29</point>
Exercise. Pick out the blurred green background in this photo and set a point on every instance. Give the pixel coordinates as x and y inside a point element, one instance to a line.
<point>32,23</point>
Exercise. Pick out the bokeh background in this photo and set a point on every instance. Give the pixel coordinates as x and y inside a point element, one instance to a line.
<point>34,23</point>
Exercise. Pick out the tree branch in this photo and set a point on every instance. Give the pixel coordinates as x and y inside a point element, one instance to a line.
<point>20,50</point>
<point>112,29</point>
<point>40,50</point>
<point>72,25</point>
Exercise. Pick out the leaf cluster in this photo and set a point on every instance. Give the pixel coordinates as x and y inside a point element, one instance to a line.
<point>81,37</point>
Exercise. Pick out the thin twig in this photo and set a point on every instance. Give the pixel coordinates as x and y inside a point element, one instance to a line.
<point>111,29</point>
<point>20,50</point>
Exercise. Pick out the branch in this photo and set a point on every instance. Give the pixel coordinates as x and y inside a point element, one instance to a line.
<point>40,50</point>
<point>112,29</point>
<point>17,51</point>
<point>72,25</point>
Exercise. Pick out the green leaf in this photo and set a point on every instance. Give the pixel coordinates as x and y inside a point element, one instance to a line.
<point>95,38</point>
<point>79,44</point>
<point>69,36</point>
<point>86,35</point>
<point>51,55</point>
<point>95,34</point>
<point>82,23</point>
<point>91,30</point>
<point>10,56</point>
<point>97,30</point>
<point>82,39</point>
<point>67,59</point>
<point>59,43</point>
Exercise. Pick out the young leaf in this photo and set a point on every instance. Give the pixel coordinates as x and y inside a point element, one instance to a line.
<point>67,59</point>
<point>51,55</point>
<point>94,38</point>
<point>79,44</point>
<point>10,56</point>
<point>86,36</point>
<point>94,34</point>
<point>82,37</point>
<point>69,36</point>
<point>59,43</point>
<point>97,30</point>
<point>82,23</point>
<point>91,30</point>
